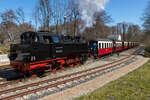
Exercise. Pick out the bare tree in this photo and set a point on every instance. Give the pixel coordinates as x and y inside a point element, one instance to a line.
<point>20,15</point>
<point>43,13</point>
<point>74,16</point>
<point>133,32</point>
<point>8,16</point>
<point>8,21</point>
<point>146,24</point>
<point>57,16</point>
<point>146,18</point>
<point>122,29</point>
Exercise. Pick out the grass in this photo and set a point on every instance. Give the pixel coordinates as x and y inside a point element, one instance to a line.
<point>4,49</point>
<point>134,86</point>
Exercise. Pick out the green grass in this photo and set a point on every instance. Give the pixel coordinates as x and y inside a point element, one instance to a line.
<point>134,86</point>
<point>4,49</point>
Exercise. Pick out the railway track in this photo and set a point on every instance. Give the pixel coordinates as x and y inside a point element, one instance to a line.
<point>6,83</point>
<point>60,82</point>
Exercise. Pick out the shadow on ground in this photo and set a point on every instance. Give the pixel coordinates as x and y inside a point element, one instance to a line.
<point>10,75</point>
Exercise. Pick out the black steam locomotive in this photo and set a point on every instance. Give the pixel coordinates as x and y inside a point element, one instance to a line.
<point>40,51</point>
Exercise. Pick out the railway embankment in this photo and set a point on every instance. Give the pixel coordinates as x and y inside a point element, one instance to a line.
<point>130,80</point>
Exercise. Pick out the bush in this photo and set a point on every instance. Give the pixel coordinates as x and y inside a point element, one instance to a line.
<point>147,52</point>
<point>4,49</point>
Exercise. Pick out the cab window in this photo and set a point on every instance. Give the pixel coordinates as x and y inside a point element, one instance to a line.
<point>55,39</point>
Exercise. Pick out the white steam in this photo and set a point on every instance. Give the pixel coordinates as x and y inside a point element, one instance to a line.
<point>87,10</point>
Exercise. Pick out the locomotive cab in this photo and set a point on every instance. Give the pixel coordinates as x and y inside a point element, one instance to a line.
<point>29,38</point>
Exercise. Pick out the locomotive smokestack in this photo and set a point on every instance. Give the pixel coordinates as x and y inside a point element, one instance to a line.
<point>87,10</point>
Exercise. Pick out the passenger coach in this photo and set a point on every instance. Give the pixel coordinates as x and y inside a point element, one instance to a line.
<point>105,47</point>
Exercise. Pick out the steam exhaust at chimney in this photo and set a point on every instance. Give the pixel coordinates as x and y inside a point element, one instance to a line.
<point>87,10</point>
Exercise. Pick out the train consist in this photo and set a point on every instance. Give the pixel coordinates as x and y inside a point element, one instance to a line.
<point>38,52</point>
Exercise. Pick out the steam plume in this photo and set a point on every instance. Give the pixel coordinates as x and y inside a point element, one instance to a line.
<point>87,10</point>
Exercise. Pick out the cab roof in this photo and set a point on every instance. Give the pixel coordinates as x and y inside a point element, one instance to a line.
<point>40,33</point>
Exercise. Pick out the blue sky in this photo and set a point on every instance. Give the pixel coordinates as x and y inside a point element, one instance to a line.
<point>27,5</point>
<point>126,10</point>
<point>120,10</point>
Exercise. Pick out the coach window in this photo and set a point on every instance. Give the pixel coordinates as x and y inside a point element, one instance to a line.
<point>99,45</point>
<point>34,38</point>
<point>103,45</point>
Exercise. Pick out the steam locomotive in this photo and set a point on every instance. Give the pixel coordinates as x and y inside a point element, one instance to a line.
<point>38,52</point>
